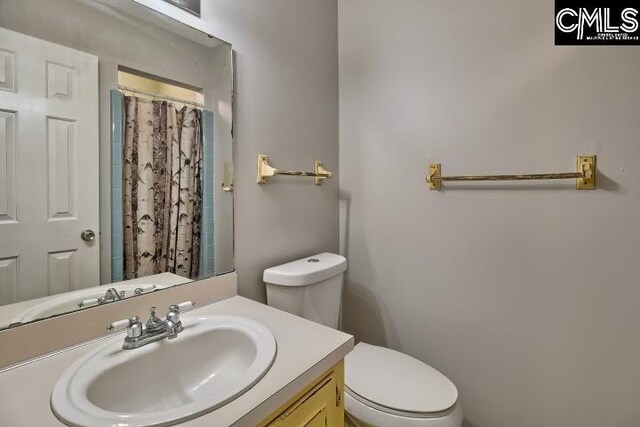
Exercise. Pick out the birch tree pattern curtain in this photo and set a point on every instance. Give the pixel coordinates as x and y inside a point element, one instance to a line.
<point>162,188</point>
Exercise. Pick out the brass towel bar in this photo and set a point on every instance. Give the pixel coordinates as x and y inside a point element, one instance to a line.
<point>265,170</point>
<point>585,176</point>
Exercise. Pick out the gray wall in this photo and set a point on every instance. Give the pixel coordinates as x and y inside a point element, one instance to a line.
<point>286,107</point>
<point>526,295</point>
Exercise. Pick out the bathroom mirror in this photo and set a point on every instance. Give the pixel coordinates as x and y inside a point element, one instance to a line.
<point>115,155</point>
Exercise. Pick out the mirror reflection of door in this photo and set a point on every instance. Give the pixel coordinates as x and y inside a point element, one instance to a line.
<point>48,180</point>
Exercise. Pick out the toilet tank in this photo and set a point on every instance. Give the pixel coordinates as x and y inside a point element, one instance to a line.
<point>309,287</point>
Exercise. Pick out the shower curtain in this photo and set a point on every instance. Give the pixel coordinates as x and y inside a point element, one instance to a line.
<point>162,188</point>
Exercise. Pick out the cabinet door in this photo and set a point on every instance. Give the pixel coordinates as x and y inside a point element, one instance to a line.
<point>320,420</point>
<point>318,408</point>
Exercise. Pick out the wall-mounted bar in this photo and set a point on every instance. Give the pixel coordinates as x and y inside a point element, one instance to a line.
<point>159,97</point>
<point>585,175</point>
<point>265,171</point>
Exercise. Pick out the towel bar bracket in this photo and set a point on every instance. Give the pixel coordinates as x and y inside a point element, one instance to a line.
<point>586,165</point>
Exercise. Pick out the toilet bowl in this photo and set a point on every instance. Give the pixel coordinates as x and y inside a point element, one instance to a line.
<point>383,387</point>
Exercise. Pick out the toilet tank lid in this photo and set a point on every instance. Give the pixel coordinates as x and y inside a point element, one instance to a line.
<point>306,271</point>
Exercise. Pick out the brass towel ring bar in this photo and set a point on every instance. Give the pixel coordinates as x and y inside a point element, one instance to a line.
<point>585,175</point>
<point>265,171</point>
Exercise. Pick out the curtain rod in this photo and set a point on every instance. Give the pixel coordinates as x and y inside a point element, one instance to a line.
<point>162,97</point>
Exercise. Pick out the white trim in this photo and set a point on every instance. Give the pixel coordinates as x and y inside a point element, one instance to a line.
<point>168,10</point>
<point>178,14</point>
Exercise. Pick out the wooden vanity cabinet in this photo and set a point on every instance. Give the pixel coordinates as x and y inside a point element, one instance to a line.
<point>320,404</point>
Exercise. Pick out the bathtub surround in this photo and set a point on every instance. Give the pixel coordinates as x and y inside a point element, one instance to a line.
<point>116,135</point>
<point>207,237</point>
<point>524,294</point>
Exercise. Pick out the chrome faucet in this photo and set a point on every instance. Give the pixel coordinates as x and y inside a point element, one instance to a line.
<point>111,295</point>
<point>155,329</point>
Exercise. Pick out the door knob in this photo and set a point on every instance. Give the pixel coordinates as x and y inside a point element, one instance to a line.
<point>88,235</point>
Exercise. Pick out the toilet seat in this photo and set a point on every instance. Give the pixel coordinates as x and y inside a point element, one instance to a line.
<point>358,414</point>
<point>369,404</point>
<point>395,383</point>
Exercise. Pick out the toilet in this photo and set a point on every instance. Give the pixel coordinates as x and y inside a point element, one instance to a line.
<point>383,387</point>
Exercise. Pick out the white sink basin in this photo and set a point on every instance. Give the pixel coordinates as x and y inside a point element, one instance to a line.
<point>214,360</point>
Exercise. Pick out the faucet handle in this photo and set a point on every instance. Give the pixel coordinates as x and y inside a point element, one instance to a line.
<point>176,309</point>
<point>88,302</point>
<point>183,306</point>
<point>144,289</point>
<point>119,325</point>
<point>133,326</point>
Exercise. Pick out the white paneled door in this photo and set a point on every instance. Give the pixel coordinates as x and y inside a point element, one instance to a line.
<point>48,168</point>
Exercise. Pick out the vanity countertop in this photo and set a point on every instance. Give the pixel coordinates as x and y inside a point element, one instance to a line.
<point>305,351</point>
